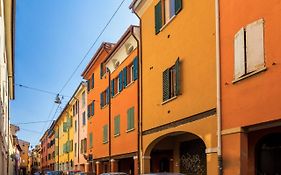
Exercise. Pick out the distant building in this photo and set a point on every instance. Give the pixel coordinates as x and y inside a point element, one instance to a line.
<point>36,159</point>
<point>14,150</point>
<point>24,157</point>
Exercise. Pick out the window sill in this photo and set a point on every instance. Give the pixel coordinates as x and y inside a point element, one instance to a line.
<point>130,130</point>
<point>104,106</point>
<point>116,135</point>
<point>132,82</point>
<point>170,99</point>
<point>167,23</point>
<point>105,142</point>
<point>249,75</point>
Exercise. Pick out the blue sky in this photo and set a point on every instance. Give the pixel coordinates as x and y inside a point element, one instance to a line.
<point>51,39</point>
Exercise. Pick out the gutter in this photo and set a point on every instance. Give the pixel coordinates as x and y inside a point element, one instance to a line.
<point>218,75</point>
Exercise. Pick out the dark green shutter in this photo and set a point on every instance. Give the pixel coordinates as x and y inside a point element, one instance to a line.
<point>101,73</point>
<point>135,68</point>
<point>177,67</point>
<point>107,95</point>
<point>117,125</point>
<point>125,77</point>
<point>130,118</point>
<point>105,133</point>
<point>93,108</point>
<point>178,6</point>
<point>120,76</point>
<point>158,17</point>
<point>101,100</point>
<point>93,81</point>
<point>91,140</point>
<point>88,85</point>
<point>89,111</point>
<point>166,82</point>
<point>112,88</point>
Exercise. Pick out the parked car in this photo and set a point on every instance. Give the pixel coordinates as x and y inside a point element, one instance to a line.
<point>73,172</point>
<point>114,173</point>
<point>53,173</point>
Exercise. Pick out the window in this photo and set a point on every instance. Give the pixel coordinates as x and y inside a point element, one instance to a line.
<point>249,49</point>
<point>93,108</point>
<point>84,119</point>
<point>89,110</point>
<point>102,70</point>
<point>164,11</point>
<point>130,119</point>
<point>105,133</point>
<point>117,125</point>
<point>129,73</point>
<point>83,99</point>
<point>171,81</point>
<point>93,81</point>
<point>88,85</point>
<point>104,98</point>
<point>75,149</point>
<point>91,140</point>
<point>75,125</point>
<point>83,148</point>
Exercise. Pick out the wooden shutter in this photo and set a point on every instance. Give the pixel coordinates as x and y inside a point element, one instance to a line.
<point>89,111</point>
<point>255,46</point>
<point>239,54</point>
<point>135,68</point>
<point>93,81</point>
<point>101,99</point>
<point>132,120</point>
<point>178,82</point>
<point>107,95</point>
<point>120,76</point>
<point>105,133</point>
<point>117,125</point>
<point>158,17</point>
<point>91,140</point>
<point>101,70</point>
<point>178,6</point>
<point>93,108</point>
<point>112,88</point>
<point>124,77</point>
<point>88,85</point>
<point>71,145</point>
<point>166,84</point>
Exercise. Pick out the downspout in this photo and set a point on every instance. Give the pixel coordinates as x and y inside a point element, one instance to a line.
<point>218,75</point>
<point>140,141</point>
<point>78,131</point>
<point>109,118</point>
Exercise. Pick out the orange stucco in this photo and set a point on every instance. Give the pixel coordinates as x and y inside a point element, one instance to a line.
<point>253,101</point>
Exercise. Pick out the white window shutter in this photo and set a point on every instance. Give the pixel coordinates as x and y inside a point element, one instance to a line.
<point>255,46</point>
<point>239,54</point>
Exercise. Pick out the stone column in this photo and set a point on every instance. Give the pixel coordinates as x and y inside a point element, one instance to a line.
<point>146,164</point>
<point>98,168</point>
<point>136,165</point>
<point>114,165</point>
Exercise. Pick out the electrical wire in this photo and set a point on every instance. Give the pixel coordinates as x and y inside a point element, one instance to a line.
<point>96,40</point>
<point>26,123</point>
<point>28,130</point>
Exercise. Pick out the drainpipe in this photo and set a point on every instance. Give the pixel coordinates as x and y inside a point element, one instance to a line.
<point>139,99</point>
<point>218,75</point>
<point>109,117</point>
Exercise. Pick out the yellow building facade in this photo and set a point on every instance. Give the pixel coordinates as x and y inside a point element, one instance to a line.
<point>64,132</point>
<point>178,86</point>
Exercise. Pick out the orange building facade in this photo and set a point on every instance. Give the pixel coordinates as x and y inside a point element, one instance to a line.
<point>97,117</point>
<point>250,86</point>
<point>113,119</point>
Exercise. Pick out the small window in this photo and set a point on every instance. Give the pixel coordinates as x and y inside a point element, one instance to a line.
<point>93,81</point>
<point>102,70</point>
<point>75,126</point>
<point>104,98</point>
<point>130,119</point>
<point>249,49</point>
<point>171,81</point>
<point>89,110</point>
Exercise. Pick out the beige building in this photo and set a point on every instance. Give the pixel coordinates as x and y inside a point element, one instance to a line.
<point>6,79</point>
<point>35,159</point>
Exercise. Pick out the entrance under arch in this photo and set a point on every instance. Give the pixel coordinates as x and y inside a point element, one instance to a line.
<point>268,155</point>
<point>178,152</point>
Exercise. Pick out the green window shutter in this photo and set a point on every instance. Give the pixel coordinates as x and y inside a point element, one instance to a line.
<point>88,85</point>
<point>135,68</point>
<point>130,118</point>
<point>101,73</point>
<point>101,100</point>
<point>117,125</point>
<point>120,81</point>
<point>124,77</point>
<point>178,6</point>
<point>71,145</point>
<point>64,127</point>
<point>112,87</point>
<point>178,85</point>
<point>107,95</point>
<point>93,81</point>
<point>93,108</point>
<point>91,140</point>
<point>105,134</point>
<point>158,17</point>
<point>166,84</point>
<point>89,111</point>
